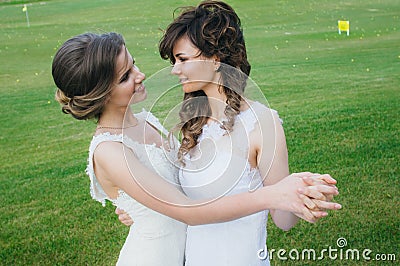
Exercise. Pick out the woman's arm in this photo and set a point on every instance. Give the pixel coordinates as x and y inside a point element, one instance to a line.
<point>274,166</point>
<point>116,164</point>
<point>273,162</point>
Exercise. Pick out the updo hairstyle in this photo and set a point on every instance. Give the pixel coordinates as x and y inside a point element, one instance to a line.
<point>84,70</point>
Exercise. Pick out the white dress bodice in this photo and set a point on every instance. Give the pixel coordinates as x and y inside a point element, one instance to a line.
<point>154,239</point>
<point>216,167</point>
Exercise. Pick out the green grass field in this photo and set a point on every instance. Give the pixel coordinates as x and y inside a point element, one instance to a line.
<point>338,96</point>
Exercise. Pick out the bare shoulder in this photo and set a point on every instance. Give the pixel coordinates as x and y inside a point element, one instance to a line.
<point>108,146</point>
<point>108,151</point>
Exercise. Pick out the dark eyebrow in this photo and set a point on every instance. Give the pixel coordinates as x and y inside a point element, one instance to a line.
<point>190,56</point>
<point>179,54</point>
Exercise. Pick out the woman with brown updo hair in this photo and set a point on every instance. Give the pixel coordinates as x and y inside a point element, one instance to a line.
<point>229,144</point>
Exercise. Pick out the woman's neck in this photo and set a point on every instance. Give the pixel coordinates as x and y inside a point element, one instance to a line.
<point>217,102</point>
<point>117,118</point>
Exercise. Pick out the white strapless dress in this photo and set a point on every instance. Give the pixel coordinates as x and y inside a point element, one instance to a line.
<point>154,239</point>
<point>223,169</point>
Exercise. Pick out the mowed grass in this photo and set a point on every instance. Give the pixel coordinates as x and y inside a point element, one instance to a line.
<point>338,96</point>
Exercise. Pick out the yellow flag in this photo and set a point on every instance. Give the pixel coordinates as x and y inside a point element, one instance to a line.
<point>344,25</point>
<point>24,9</point>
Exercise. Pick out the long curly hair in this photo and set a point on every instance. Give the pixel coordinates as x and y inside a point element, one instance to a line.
<point>215,29</point>
<point>83,70</point>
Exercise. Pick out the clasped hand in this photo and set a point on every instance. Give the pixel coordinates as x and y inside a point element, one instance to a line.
<point>314,193</point>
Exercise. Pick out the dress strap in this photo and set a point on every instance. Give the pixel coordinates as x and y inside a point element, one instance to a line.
<point>251,116</point>
<point>153,121</point>
<point>172,143</point>
<point>247,121</point>
<point>96,190</point>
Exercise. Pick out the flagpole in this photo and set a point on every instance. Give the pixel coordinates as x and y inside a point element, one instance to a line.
<point>27,16</point>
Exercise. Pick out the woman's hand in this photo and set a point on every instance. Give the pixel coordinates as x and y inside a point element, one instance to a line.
<point>296,196</point>
<point>124,217</point>
<point>315,196</point>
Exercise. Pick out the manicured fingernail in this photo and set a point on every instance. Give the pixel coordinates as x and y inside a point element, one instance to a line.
<point>338,206</point>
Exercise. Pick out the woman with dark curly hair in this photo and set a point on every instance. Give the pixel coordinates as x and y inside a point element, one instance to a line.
<point>229,143</point>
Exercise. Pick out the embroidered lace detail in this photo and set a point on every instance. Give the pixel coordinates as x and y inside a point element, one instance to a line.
<point>248,118</point>
<point>212,130</point>
<point>254,175</point>
<point>224,148</point>
<point>161,160</point>
<point>123,201</point>
<point>96,190</point>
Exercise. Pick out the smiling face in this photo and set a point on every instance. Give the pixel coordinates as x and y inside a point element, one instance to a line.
<point>195,72</point>
<point>127,87</point>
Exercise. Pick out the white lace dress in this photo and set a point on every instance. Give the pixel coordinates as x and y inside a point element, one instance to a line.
<point>154,239</point>
<point>218,166</point>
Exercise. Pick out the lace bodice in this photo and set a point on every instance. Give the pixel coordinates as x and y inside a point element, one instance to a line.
<point>219,164</point>
<point>155,158</point>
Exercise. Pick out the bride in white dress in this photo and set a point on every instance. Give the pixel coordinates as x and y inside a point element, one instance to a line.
<point>230,145</point>
<point>97,79</point>
<point>228,172</point>
<point>154,239</point>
